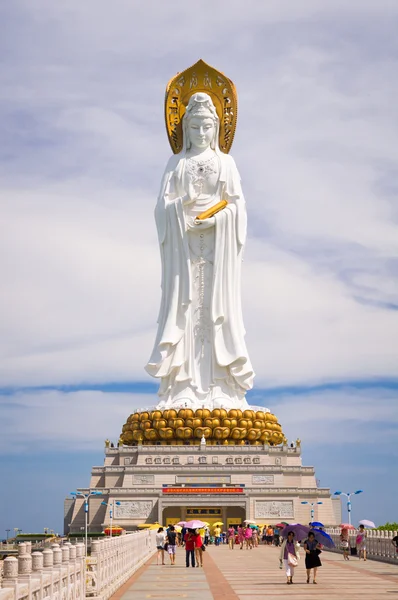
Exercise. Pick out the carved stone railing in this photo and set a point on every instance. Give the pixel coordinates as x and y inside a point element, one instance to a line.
<point>64,573</point>
<point>54,574</point>
<point>113,561</point>
<point>379,544</point>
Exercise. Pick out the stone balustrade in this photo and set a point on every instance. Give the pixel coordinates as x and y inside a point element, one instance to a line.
<point>113,561</point>
<point>379,544</point>
<point>63,572</point>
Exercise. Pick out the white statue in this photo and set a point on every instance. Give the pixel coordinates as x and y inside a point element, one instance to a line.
<point>200,353</point>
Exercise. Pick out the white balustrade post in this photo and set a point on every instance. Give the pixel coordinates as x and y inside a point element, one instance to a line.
<point>37,562</point>
<point>24,561</point>
<point>96,555</point>
<point>10,572</point>
<point>81,560</point>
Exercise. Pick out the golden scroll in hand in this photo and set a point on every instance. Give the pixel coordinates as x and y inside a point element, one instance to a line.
<point>210,212</point>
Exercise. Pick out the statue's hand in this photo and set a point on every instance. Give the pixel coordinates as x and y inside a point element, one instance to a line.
<point>205,223</point>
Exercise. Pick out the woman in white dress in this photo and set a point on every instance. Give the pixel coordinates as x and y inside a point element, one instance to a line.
<point>200,354</point>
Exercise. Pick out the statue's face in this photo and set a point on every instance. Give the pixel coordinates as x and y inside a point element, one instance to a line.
<point>201,132</point>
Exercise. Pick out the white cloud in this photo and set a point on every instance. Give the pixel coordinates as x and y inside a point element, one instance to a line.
<point>84,152</point>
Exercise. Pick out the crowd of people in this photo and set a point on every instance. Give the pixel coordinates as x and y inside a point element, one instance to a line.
<point>246,536</point>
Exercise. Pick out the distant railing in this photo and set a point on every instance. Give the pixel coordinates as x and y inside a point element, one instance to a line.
<point>63,572</point>
<point>379,544</point>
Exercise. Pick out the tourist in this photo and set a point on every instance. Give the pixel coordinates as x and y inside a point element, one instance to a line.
<point>172,544</point>
<point>231,537</point>
<point>394,542</point>
<point>249,538</point>
<point>289,555</point>
<point>183,534</point>
<point>264,534</point>
<point>160,542</point>
<point>345,543</point>
<point>189,540</point>
<point>276,536</point>
<point>241,536</point>
<point>217,534</point>
<point>198,548</point>
<point>361,542</point>
<point>207,535</point>
<point>255,537</point>
<point>224,537</point>
<point>270,535</point>
<point>312,551</point>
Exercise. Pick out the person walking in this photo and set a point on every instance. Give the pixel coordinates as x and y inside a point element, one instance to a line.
<point>264,534</point>
<point>270,535</point>
<point>190,547</point>
<point>217,535</point>
<point>231,537</point>
<point>249,538</point>
<point>312,551</point>
<point>160,542</point>
<point>289,555</point>
<point>345,543</point>
<point>361,542</point>
<point>172,544</point>
<point>207,535</point>
<point>184,531</point>
<point>255,537</point>
<point>241,536</point>
<point>276,536</point>
<point>198,548</point>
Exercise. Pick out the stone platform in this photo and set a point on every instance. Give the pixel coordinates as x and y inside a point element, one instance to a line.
<point>167,484</point>
<point>255,575</point>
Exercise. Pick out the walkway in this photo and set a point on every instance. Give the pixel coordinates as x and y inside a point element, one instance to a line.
<point>254,575</point>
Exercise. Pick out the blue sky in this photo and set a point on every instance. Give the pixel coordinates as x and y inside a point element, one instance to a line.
<point>82,153</point>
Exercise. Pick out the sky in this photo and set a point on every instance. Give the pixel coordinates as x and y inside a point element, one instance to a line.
<point>83,148</point>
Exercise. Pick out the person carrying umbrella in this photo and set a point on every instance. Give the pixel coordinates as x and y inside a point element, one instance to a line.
<point>289,555</point>
<point>312,550</point>
<point>361,542</point>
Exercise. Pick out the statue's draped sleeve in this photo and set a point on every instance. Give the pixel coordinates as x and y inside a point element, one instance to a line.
<point>176,288</point>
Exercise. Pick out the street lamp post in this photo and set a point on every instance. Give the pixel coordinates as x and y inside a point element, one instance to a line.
<point>312,504</point>
<point>8,532</point>
<point>86,497</point>
<point>348,496</point>
<point>111,504</point>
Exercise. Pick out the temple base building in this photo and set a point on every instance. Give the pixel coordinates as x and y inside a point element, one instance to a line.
<point>214,480</point>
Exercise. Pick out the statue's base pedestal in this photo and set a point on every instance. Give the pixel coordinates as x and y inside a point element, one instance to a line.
<point>167,484</point>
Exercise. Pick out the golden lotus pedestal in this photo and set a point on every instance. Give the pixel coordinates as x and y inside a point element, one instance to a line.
<point>188,427</point>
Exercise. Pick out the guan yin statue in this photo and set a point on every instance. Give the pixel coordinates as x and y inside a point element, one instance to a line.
<point>200,355</point>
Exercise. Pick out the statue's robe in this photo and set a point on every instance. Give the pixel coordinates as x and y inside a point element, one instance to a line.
<point>173,355</point>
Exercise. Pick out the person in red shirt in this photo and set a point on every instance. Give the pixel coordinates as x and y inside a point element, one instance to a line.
<point>189,540</point>
<point>198,548</point>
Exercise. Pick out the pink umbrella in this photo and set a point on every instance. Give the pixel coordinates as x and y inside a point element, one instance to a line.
<point>346,526</point>
<point>366,523</point>
<point>195,524</point>
<point>181,523</point>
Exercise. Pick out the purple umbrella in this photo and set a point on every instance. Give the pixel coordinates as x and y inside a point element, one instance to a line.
<point>300,531</point>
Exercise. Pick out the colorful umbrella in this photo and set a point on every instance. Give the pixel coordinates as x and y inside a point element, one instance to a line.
<point>346,526</point>
<point>367,523</point>
<point>181,523</point>
<point>300,531</point>
<point>218,523</point>
<point>280,525</point>
<point>323,538</point>
<point>195,524</point>
<point>317,524</point>
<point>248,522</point>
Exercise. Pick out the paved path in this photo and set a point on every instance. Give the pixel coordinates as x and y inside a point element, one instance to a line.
<point>254,575</point>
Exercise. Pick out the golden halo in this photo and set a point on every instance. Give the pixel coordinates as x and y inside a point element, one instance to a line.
<point>201,77</point>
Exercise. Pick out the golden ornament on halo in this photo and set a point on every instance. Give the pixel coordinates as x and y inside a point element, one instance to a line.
<point>201,77</point>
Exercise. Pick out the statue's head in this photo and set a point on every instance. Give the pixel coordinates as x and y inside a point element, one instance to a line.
<point>200,123</point>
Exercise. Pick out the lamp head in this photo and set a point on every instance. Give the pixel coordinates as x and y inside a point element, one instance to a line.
<point>304,502</point>
<point>358,492</point>
<point>118,503</point>
<point>337,493</point>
